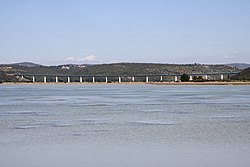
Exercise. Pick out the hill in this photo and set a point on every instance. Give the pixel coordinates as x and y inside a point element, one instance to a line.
<point>240,65</point>
<point>243,75</point>
<point>123,69</point>
<point>26,64</point>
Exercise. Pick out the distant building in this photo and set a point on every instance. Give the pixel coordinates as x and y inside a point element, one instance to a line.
<point>81,66</point>
<point>65,67</point>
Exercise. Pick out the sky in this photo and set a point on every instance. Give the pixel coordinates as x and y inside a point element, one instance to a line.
<point>53,32</point>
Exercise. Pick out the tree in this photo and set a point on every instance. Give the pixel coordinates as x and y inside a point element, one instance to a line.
<point>198,79</point>
<point>184,78</point>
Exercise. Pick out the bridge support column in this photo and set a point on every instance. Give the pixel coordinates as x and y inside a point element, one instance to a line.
<point>221,76</point>
<point>68,79</point>
<point>175,78</point>
<point>146,78</point>
<point>44,79</point>
<point>33,79</point>
<point>190,78</point>
<point>161,79</point>
<point>120,80</point>
<point>206,77</point>
<point>93,79</point>
<point>133,79</point>
<point>80,79</point>
<point>106,79</point>
<point>56,79</point>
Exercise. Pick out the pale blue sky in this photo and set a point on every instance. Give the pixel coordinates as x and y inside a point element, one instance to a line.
<point>105,31</point>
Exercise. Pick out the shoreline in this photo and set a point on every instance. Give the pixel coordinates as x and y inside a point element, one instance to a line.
<point>203,83</point>
<point>153,83</point>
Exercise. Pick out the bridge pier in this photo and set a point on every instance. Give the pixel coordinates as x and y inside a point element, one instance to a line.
<point>190,78</point>
<point>146,78</point>
<point>206,77</point>
<point>44,79</point>
<point>106,79</point>
<point>68,79</point>
<point>80,79</point>
<point>56,79</point>
<point>93,79</point>
<point>161,79</point>
<point>120,80</point>
<point>175,78</point>
<point>133,79</point>
<point>221,76</point>
<point>33,78</point>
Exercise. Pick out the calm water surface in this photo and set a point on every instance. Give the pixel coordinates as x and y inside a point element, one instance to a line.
<point>96,125</point>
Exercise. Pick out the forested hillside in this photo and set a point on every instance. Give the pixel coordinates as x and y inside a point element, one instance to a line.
<point>243,75</point>
<point>7,72</point>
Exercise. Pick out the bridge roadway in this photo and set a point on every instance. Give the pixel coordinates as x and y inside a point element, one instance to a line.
<point>132,78</point>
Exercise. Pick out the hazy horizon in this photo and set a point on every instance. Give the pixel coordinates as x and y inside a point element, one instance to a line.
<point>116,63</point>
<point>52,32</point>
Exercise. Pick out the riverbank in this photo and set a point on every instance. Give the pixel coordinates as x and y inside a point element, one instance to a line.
<point>154,83</point>
<point>202,83</point>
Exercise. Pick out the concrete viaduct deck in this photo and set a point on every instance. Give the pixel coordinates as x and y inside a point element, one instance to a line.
<point>119,78</point>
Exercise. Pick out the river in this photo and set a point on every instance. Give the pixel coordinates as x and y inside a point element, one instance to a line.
<point>120,125</point>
